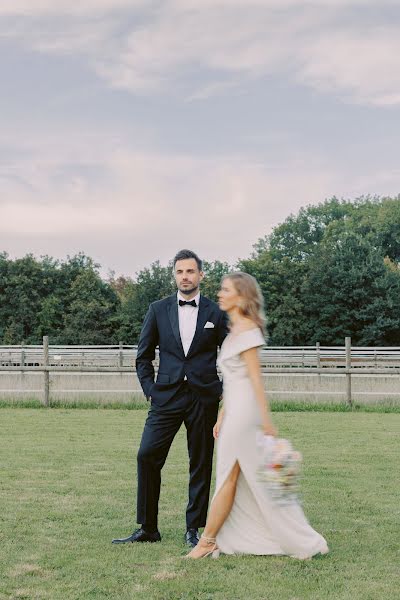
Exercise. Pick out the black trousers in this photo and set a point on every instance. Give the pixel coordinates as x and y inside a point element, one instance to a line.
<point>162,424</point>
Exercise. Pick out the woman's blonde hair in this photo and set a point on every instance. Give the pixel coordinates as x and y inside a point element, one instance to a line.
<point>252,301</point>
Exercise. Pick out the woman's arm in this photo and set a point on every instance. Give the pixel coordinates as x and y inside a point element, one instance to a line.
<point>253,368</point>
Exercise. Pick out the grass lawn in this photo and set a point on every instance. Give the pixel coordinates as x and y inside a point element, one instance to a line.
<point>67,487</point>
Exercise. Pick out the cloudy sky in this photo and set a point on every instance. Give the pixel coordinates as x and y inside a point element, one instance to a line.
<point>132,128</point>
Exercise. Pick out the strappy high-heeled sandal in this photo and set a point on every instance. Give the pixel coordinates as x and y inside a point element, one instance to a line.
<point>214,552</point>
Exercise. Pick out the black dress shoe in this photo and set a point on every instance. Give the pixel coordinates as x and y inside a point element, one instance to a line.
<point>192,537</point>
<point>140,535</point>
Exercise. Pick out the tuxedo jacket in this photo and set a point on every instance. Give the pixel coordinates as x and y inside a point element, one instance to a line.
<point>161,328</point>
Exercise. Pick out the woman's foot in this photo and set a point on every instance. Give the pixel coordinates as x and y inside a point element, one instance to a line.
<point>207,546</point>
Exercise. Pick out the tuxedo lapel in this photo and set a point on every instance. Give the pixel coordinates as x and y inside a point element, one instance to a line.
<point>174,320</point>
<point>201,321</point>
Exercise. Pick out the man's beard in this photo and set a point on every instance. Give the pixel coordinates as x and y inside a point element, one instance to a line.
<point>187,292</point>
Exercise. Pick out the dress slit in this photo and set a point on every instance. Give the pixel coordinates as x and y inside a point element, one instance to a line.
<point>217,491</point>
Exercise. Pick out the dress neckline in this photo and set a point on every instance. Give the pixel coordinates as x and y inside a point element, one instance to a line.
<point>232,342</point>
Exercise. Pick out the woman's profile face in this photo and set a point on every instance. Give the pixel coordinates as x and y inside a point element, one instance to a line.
<point>228,298</point>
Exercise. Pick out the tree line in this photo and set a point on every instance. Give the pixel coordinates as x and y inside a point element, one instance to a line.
<point>329,271</point>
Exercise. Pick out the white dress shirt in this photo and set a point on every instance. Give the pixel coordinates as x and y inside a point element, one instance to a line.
<point>187,321</point>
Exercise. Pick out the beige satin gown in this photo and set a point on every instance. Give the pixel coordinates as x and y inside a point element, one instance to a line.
<point>256,525</point>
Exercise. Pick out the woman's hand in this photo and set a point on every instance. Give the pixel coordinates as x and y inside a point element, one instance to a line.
<point>217,425</point>
<point>216,428</point>
<point>268,428</point>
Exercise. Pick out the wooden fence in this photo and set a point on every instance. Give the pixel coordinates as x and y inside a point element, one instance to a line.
<point>344,360</point>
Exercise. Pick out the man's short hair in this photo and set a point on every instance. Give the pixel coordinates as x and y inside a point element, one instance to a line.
<point>184,254</point>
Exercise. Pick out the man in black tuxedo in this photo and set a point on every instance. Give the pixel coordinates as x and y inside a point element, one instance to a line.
<point>187,328</point>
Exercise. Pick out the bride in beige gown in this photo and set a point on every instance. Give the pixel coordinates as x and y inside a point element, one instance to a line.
<point>242,517</point>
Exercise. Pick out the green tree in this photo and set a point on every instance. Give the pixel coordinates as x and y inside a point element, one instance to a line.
<point>213,273</point>
<point>151,284</point>
<point>324,274</point>
<point>299,235</point>
<point>50,318</point>
<point>24,283</point>
<point>352,290</point>
<point>91,311</point>
<point>13,333</point>
<point>40,297</point>
<point>280,282</point>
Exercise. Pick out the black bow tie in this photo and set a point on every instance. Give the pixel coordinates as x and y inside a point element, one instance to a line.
<point>190,303</point>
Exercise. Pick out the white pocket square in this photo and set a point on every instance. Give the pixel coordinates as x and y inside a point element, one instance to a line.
<point>209,325</point>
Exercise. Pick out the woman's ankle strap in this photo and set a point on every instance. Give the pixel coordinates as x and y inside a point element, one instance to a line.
<point>209,540</point>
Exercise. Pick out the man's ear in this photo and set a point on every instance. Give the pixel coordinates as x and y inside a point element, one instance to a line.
<point>201,275</point>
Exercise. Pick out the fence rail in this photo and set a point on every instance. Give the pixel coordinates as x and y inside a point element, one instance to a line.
<point>123,355</point>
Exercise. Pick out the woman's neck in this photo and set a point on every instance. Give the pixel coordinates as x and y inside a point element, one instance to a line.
<point>238,321</point>
<point>235,318</point>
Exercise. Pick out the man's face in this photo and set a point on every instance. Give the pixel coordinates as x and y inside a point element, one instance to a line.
<point>188,276</point>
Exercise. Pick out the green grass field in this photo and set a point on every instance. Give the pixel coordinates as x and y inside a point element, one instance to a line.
<point>67,487</point>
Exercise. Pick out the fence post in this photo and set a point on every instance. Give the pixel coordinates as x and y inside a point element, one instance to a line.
<point>318,348</point>
<point>348,375</point>
<point>121,354</point>
<point>22,360</point>
<point>46,374</point>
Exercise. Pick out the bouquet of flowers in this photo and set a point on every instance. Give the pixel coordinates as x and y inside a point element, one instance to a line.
<point>279,468</point>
